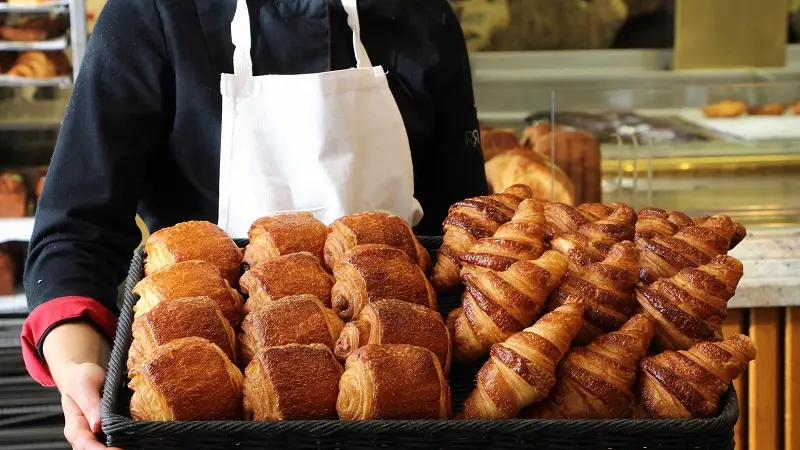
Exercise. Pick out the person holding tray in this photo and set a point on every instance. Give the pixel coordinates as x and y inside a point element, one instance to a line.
<point>333,107</point>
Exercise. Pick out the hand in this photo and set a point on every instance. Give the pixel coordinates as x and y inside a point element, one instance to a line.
<point>76,355</point>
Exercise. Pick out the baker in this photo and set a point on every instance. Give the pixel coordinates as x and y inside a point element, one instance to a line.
<point>228,111</point>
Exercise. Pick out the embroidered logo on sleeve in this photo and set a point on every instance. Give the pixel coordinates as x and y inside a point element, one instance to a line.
<point>473,138</point>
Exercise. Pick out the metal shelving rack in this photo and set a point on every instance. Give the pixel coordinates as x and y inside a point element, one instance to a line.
<point>30,415</point>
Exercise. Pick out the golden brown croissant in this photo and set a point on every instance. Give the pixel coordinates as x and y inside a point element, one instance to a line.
<point>466,222</point>
<point>545,180</point>
<point>186,379</point>
<point>299,319</point>
<point>376,272</point>
<point>654,222</point>
<point>292,382</point>
<point>592,242</point>
<point>194,240</point>
<point>664,256</point>
<point>562,218</point>
<point>373,228</point>
<point>181,318</point>
<point>283,276</point>
<point>690,306</point>
<point>284,234</point>
<point>596,382</point>
<point>739,231</point>
<point>606,290</point>
<point>393,381</point>
<point>496,305</point>
<point>521,370</point>
<point>520,239</point>
<point>188,279</point>
<point>396,322</point>
<point>687,384</point>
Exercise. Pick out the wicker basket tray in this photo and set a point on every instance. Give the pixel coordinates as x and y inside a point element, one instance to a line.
<point>122,431</point>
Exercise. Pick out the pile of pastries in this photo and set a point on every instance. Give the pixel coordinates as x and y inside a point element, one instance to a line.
<point>339,322</point>
<point>571,177</point>
<point>634,308</point>
<point>39,65</point>
<point>733,108</point>
<point>592,311</point>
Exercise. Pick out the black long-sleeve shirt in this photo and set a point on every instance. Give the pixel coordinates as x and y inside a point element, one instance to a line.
<point>142,128</point>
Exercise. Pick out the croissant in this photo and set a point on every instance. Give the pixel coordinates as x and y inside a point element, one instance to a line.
<point>687,384</point>
<point>186,379</point>
<point>496,305</point>
<point>188,279</point>
<point>664,256</point>
<point>396,322</point>
<point>180,318</point>
<point>284,234</point>
<point>292,382</point>
<point>596,382</point>
<point>466,222</point>
<point>521,370</point>
<point>545,180</point>
<point>592,242</point>
<point>376,272</point>
<point>393,381</point>
<point>739,231</point>
<point>284,276</point>
<point>562,218</point>
<point>194,240</point>
<point>299,319</point>
<point>373,228</point>
<point>606,290</point>
<point>654,222</point>
<point>520,239</point>
<point>692,305</point>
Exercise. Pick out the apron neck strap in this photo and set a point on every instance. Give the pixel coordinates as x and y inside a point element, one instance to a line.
<point>362,59</point>
<point>240,34</point>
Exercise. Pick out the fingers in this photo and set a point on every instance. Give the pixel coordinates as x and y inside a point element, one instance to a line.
<point>86,393</point>
<point>76,427</point>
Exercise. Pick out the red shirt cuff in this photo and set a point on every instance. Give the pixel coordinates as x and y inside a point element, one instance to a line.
<point>46,316</point>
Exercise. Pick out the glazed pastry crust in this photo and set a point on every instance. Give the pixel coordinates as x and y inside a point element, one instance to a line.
<point>194,240</point>
<point>688,384</point>
<point>691,306</point>
<point>377,272</point>
<point>188,279</point>
<point>664,256</point>
<point>606,290</point>
<point>186,379</point>
<point>396,322</point>
<point>284,276</point>
<point>596,382</point>
<point>521,370</point>
<point>181,318</point>
<point>521,239</point>
<point>300,319</point>
<point>468,221</point>
<point>284,234</point>
<point>496,305</point>
<point>373,228</point>
<point>292,382</point>
<point>393,381</point>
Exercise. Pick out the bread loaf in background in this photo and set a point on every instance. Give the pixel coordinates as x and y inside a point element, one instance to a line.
<point>515,25</point>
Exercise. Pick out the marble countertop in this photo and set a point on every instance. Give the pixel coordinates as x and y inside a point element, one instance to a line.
<point>771,259</point>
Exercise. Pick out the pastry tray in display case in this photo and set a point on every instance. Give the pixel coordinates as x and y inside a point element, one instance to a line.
<point>124,432</point>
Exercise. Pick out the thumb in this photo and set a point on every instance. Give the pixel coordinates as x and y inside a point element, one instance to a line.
<point>86,394</point>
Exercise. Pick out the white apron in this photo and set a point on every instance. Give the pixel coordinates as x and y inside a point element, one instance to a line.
<point>331,143</point>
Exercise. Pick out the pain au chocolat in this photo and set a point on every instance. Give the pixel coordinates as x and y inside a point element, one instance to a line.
<point>194,240</point>
<point>188,279</point>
